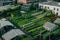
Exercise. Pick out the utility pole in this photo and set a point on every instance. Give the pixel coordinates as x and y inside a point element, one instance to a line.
<point>40,38</point>
<point>49,35</point>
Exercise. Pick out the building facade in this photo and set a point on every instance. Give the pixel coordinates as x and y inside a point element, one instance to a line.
<point>6,2</point>
<point>54,7</point>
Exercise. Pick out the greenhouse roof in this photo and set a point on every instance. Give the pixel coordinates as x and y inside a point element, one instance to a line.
<point>57,21</point>
<point>49,26</point>
<point>12,33</point>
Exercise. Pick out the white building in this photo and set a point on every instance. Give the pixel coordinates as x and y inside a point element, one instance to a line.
<point>54,6</point>
<point>12,33</point>
<point>50,26</point>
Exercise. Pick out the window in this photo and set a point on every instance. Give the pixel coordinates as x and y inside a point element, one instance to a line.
<point>45,7</point>
<point>57,9</point>
<point>48,7</point>
<point>57,13</point>
<point>54,8</point>
<point>41,6</point>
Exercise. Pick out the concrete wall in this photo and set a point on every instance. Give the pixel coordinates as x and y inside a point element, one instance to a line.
<point>55,9</point>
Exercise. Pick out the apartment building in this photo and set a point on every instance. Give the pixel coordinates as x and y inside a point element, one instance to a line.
<point>53,6</point>
<point>6,2</point>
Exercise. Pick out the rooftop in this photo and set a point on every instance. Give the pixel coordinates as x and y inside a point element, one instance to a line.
<point>51,3</point>
<point>12,33</point>
<point>4,22</point>
<point>57,21</point>
<point>49,26</point>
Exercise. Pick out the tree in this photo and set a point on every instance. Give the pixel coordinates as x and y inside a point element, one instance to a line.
<point>8,11</point>
<point>33,6</point>
<point>57,0</point>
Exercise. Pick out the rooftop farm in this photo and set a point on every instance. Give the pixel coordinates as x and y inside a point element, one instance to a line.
<point>32,22</point>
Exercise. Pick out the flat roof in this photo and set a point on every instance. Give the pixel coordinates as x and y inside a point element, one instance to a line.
<point>51,3</point>
<point>49,26</point>
<point>4,22</point>
<point>12,33</point>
